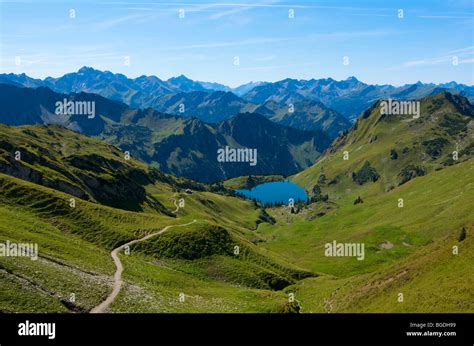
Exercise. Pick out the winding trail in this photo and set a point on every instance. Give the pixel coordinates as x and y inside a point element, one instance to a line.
<point>176,205</point>
<point>118,273</point>
<point>174,202</point>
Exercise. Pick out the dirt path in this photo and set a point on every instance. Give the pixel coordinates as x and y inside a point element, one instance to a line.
<point>118,273</point>
<point>176,205</point>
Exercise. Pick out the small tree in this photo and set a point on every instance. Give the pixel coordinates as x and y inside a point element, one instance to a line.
<point>250,182</point>
<point>393,154</point>
<point>322,178</point>
<point>462,234</point>
<point>365,174</point>
<point>316,190</point>
<point>318,195</point>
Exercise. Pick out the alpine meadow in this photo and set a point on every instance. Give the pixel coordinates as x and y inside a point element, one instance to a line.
<point>263,157</point>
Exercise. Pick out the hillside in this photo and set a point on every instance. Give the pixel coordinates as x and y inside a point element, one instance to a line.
<point>208,107</point>
<point>190,149</point>
<point>401,194</point>
<point>58,158</point>
<point>306,115</point>
<point>398,147</point>
<point>218,106</point>
<point>408,249</point>
<point>74,240</point>
<point>174,144</point>
<point>29,106</point>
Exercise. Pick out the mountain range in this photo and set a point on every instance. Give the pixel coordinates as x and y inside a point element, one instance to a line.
<point>178,125</point>
<point>183,146</point>
<point>217,106</point>
<point>348,97</point>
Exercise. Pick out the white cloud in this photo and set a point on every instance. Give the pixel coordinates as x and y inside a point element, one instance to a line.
<point>229,12</point>
<point>276,67</point>
<point>445,17</point>
<point>465,53</point>
<point>266,58</point>
<point>261,40</point>
<point>269,40</point>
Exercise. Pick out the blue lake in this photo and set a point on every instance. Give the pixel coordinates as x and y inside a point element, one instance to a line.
<point>275,192</point>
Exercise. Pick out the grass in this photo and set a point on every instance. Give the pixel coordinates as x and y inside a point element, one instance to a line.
<point>74,245</point>
<point>407,250</point>
<point>157,288</point>
<point>434,206</point>
<point>431,280</point>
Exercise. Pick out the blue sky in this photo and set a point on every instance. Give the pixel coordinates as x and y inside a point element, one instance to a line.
<point>41,39</point>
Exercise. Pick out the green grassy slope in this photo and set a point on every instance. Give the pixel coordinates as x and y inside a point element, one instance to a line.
<point>407,249</point>
<point>444,126</point>
<point>432,279</point>
<point>75,242</point>
<point>416,238</point>
<point>434,206</point>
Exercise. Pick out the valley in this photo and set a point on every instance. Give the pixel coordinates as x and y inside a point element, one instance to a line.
<point>398,187</point>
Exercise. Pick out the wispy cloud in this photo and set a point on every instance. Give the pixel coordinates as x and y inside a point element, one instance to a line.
<point>229,12</point>
<point>345,35</point>
<point>137,17</point>
<point>430,61</point>
<point>270,40</point>
<point>463,56</point>
<point>261,40</point>
<point>466,50</point>
<point>276,4</point>
<point>444,17</point>
<point>205,6</point>
<point>266,58</point>
<point>276,67</point>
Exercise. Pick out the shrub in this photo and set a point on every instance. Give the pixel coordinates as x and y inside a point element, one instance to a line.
<point>410,172</point>
<point>434,147</point>
<point>454,124</point>
<point>468,150</point>
<point>265,217</point>
<point>316,190</point>
<point>291,308</point>
<point>393,154</point>
<point>365,174</point>
<point>322,178</point>
<point>251,182</point>
<point>462,234</point>
<point>318,195</point>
